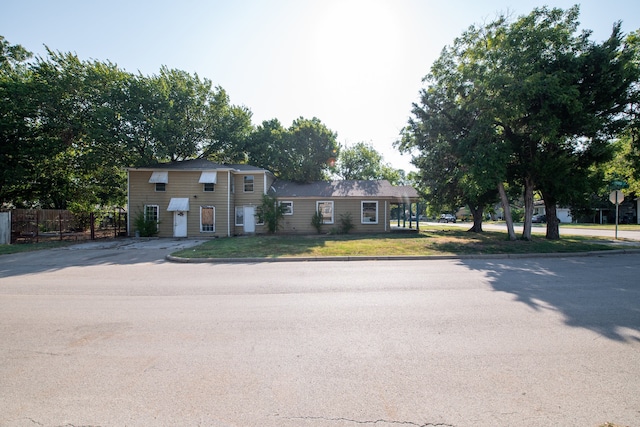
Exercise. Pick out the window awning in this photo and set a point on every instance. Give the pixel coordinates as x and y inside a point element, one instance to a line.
<point>159,178</point>
<point>178,204</point>
<point>208,177</point>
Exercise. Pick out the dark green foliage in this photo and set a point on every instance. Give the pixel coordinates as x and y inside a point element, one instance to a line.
<point>346,223</point>
<point>271,213</point>
<point>317,221</point>
<point>145,227</point>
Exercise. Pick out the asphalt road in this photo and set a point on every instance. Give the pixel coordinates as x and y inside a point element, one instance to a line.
<point>117,336</point>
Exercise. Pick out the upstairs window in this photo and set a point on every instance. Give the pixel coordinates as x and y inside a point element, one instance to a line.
<point>161,186</point>
<point>209,186</point>
<point>248,183</point>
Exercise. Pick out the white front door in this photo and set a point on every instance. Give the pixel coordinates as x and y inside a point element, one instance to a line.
<point>179,224</point>
<point>249,219</point>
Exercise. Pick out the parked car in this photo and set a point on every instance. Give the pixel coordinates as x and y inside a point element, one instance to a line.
<point>447,218</point>
<point>539,219</point>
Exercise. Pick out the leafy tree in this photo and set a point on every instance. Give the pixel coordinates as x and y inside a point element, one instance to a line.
<point>530,102</point>
<point>309,147</point>
<point>265,147</point>
<point>271,213</point>
<point>360,161</point>
<point>301,153</point>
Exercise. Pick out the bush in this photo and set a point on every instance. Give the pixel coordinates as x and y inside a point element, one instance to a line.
<point>316,221</point>
<point>346,223</point>
<point>146,227</point>
<point>271,213</point>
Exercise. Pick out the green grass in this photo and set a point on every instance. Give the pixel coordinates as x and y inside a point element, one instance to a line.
<point>429,242</point>
<point>30,247</point>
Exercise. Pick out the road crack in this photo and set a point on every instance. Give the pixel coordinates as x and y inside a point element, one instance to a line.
<point>372,422</point>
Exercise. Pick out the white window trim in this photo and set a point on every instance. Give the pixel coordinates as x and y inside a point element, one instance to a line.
<point>235,215</point>
<point>244,184</point>
<point>290,202</point>
<point>157,213</point>
<point>214,219</point>
<point>332,210</point>
<point>362,221</point>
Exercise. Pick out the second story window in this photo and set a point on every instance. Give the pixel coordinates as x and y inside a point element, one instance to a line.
<point>248,183</point>
<point>161,186</point>
<point>209,186</point>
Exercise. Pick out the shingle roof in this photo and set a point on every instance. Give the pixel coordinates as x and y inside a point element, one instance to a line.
<point>348,188</point>
<point>200,164</point>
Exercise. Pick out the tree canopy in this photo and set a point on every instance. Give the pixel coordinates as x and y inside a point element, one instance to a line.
<point>532,103</point>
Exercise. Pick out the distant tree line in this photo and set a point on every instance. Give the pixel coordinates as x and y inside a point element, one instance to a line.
<point>70,127</point>
<point>515,108</point>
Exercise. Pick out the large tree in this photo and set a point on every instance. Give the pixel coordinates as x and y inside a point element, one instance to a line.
<point>532,102</point>
<point>304,152</point>
<point>363,161</point>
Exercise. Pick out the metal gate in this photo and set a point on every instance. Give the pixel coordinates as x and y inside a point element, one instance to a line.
<point>37,225</point>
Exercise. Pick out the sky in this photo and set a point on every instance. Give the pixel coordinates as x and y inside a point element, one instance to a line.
<point>357,65</point>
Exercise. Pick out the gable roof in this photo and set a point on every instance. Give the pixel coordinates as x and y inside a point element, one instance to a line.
<point>347,188</point>
<point>199,165</point>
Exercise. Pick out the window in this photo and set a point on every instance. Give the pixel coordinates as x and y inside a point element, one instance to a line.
<point>160,179</point>
<point>287,208</point>
<point>369,212</point>
<point>151,213</point>
<point>209,186</point>
<point>326,210</point>
<point>248,183</point>
<point>240,215</point>
<point>207,218</point>
<point>259,216</point>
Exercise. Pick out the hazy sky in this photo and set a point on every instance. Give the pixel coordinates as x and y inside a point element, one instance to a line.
<point>357,65</point>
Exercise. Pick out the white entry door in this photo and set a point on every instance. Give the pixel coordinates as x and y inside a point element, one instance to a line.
<point>179,224</point>
<point>249,219</point>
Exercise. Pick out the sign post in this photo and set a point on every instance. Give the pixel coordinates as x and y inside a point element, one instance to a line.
<point>616,197</point>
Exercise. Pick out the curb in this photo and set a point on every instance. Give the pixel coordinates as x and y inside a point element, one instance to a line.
<point>176,259</point>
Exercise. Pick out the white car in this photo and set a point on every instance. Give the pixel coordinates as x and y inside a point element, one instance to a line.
<point>447,218</point>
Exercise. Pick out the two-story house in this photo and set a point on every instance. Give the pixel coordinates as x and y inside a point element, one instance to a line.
<point>199,198</point>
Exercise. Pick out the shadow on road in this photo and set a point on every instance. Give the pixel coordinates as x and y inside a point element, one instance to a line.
<point>600,294</point>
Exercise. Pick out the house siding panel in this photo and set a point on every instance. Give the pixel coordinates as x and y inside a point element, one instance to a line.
<point>303,210</point>
<point>181,184</point>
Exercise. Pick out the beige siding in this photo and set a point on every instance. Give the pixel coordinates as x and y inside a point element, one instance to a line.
<point>248,198</point>
<point>303,210</point>
<point>182,184</point>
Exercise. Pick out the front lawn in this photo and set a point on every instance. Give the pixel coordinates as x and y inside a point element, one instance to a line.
<point>429,242</point>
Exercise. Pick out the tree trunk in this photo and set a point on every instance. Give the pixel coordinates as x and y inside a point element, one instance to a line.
<point>477,213</point>
<point>506,207</point>
<point>528,208</point>
<point>553,230</point>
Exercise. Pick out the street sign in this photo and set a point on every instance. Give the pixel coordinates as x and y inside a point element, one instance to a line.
<point>616,197</point>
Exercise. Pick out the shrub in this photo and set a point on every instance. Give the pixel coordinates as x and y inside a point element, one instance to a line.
<point>317,220</point>
<point>271,213</point>
<point>146,227</point>
<point>346,223</point>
